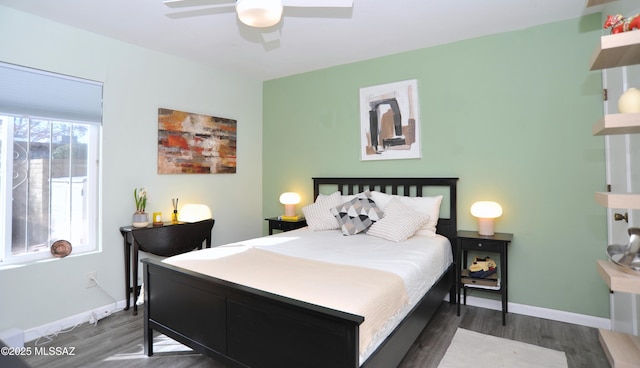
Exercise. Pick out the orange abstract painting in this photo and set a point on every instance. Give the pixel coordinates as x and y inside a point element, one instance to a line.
<point>191,143</point>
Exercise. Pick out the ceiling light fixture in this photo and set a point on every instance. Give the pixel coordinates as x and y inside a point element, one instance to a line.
<point>259,13</point>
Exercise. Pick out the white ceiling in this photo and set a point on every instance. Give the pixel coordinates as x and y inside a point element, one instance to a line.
<point>308,39</point>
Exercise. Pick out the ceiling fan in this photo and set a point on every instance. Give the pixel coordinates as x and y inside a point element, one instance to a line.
<point>262,13</point>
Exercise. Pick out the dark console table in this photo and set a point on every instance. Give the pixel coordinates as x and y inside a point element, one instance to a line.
<point>166,241</point>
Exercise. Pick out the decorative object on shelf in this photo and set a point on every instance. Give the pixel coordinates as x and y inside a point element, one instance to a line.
<point>486,212</point>
<point>482,267</point>
<point>627,256</point>
<point>194,212</point>
<point>289,199</point>
<point>618,23</point>
<point>140,217</point>
<point>629,102</point>
<point>174,215</point>
<point>157,219</point>
<point>61,248</point>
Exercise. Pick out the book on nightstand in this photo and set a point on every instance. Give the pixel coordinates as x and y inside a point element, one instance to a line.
<point>489,282</point>
<point>290,218</point>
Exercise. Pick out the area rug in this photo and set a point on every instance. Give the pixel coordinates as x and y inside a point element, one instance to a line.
<point>470,349</point>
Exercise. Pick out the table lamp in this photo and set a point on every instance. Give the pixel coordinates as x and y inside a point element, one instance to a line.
<point>290,199</point>
<point>194,212</point>
<point>486,212</point>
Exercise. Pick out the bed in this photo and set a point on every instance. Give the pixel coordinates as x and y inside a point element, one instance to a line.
<point>244,326</point>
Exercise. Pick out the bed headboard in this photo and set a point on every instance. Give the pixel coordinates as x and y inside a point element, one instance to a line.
<point>413,187</point>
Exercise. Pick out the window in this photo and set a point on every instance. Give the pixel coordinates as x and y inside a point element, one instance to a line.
<point>49,155</point>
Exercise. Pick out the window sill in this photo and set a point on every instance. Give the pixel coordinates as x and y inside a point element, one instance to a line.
<point>14,265</point>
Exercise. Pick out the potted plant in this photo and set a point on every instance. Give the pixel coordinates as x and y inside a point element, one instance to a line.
<point>140,217</point>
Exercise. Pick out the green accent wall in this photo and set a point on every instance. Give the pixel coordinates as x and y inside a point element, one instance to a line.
<point>509,114</point>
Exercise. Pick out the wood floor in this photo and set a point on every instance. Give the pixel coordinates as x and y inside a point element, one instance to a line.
<point>116,341</point>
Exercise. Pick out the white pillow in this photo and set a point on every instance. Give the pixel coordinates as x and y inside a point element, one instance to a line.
<point>318,214</point>
<point>426,205</point>
<point>399,223</point>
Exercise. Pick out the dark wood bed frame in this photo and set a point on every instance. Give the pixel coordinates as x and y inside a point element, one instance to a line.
<point>245,327</point>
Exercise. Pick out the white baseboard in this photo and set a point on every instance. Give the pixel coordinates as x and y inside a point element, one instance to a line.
<point>65,324</point>
<point>527,310</point>
<point>546,313</point>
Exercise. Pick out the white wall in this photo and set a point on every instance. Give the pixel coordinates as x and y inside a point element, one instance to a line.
<point>136,83</point>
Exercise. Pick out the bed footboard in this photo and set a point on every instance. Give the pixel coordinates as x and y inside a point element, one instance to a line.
<point>242,326</point>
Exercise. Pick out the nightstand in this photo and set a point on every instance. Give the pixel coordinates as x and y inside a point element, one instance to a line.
<point>277,224</point>
<point>471,241</point>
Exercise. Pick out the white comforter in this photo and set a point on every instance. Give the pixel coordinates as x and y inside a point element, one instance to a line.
<point>419,261</point>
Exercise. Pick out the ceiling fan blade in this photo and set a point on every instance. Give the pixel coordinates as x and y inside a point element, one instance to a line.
<point>318,3</point>
<point>188,3</point>
<point>199,12</point>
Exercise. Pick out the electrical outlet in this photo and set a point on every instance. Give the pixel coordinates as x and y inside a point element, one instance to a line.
<point>91,279</point>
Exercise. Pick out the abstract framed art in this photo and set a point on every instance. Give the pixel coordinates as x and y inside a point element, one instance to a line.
<point>190,143</point>
<point>389,121</point>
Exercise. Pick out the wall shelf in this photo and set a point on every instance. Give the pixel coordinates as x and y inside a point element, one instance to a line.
<point>622,350</point>
<point>617,124</point>
<point>618,280</point>
<point>616,50</point>
<point>618,200</point>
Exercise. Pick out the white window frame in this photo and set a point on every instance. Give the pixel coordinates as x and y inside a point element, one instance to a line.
<point>6,189</point>
<point>41,95</point>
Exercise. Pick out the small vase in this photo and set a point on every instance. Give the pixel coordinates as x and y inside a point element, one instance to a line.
<point>140,220</point>
<point>629,102</point>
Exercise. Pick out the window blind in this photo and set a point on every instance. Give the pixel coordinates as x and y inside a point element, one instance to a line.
<point>37,93</point>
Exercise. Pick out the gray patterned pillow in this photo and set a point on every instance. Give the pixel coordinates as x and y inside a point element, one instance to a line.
<point>358,214</point>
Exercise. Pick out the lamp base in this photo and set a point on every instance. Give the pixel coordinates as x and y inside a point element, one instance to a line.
<point>290,210</point>
<point>485,226</point>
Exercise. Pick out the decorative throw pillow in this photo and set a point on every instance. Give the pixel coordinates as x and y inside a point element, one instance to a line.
<point>399,223</point>
<point>318,214</point>
<point>358,214</point>
<point>427,205</point>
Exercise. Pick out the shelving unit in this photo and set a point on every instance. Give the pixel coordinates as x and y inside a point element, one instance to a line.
<point>622,49</point>
<point>616,50</point>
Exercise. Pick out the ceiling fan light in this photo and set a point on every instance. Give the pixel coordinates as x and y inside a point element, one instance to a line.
<point>259,13</point>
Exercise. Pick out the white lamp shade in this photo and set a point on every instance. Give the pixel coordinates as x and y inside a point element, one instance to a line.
<point>486,211</point>
<point>259,13</point>
<point>194,213</point>
<point>289,198</point>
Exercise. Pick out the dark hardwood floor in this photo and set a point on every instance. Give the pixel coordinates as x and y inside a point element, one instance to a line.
<point>116,341</point>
